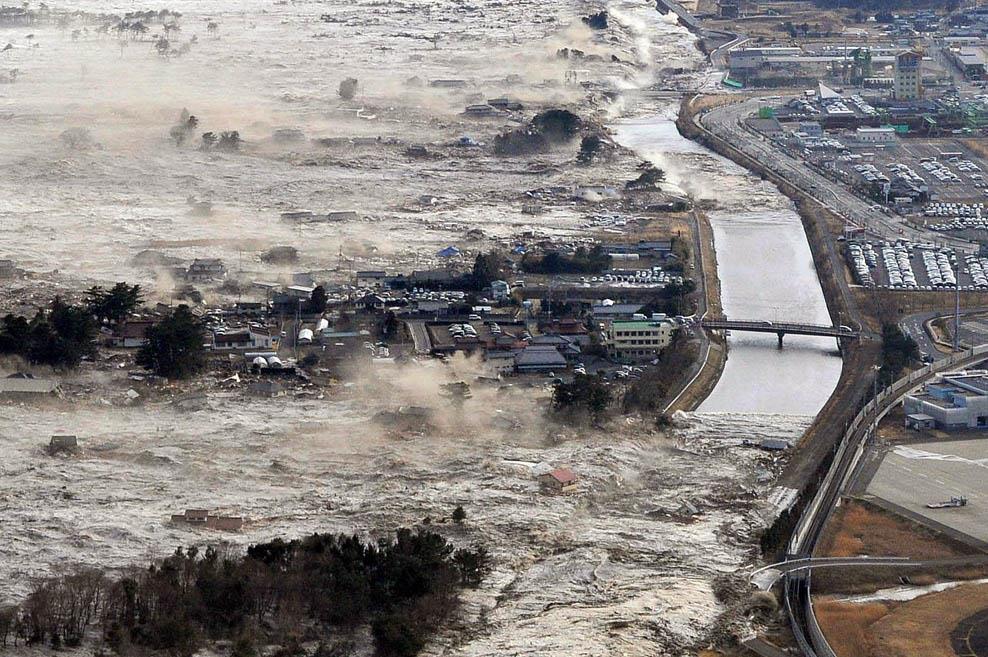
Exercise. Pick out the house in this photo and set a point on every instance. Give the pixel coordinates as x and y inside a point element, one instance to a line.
<point>63,445</point>
<point>500,290</point>
<point>565,345</point>
<point>250,338</point>
<point>205,269</point>
<point>560,480</point>
<point>25,384</point>
<point>440,306</point>
<point>371,278</point>
<point>7,268</point>
<point>539,358</point>
<point>372,302</point>
<point>300,291</point>
<point>269,389</point>
<point>131,333</point>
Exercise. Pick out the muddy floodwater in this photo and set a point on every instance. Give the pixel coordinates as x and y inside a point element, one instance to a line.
<point>629,564</point>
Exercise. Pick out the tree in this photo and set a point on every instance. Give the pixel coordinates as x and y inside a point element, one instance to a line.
<point>317,301</point>
<point>650,178</point>
<point>472,564</point>
<point>175,346</point>
<point>486,269</point>
<point>590,146</point>
<point>115,304</point>
<point>557,125</point>
<point>63,336</point>
<point>459,515</point>
<point>586,394</point>
<point>348,89</point>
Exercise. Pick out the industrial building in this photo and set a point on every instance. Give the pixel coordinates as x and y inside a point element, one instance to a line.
<point>957,400</point>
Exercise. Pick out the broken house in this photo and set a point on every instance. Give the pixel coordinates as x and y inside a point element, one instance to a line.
<point>204,518</point>
<point>205,269</point>
<point>25,384</point>
<point>560,480</point>
<point>63,445</point>
<point>270,389</point>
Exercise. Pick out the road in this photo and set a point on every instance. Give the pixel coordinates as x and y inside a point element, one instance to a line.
<point>766,577</point>
<point>727,122</point>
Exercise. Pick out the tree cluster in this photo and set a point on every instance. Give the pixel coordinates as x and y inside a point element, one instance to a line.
<point>554,126</point>
<point>898,350</point>
<point>586,397</point>
<point>674,299</point>
<point>114,304</point>
<point>403,589</point>
<point>582,261</point>
<point>175,346</point>
<point>648,392</point>
<point>60,336</point>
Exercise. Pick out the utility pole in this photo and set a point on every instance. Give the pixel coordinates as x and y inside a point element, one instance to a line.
<point>957,308</point>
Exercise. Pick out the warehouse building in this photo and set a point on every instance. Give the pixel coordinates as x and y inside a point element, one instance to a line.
<point>957,400</point>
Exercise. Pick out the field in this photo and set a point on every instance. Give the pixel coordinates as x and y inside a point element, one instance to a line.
<point>859,528</point>
<point>922,626</point>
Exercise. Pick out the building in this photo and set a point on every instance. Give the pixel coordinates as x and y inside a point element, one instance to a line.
<point>605,310</point>
<point>500,290</point>
<point>560,480</point>
<point>885,135</point>
<point>957,400</point>
<point>205,269</point>
<point>637,339</point>
<point>539,358</point>
<point>811,128</point>
<point>744,59</point>
<point>970,61</point>
<point>908,84</point>
<point>373,278</point>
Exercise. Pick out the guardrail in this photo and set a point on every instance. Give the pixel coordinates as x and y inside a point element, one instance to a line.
<point>798,600</point>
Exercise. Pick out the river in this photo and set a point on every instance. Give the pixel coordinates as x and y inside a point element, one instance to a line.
<point>764,264</point>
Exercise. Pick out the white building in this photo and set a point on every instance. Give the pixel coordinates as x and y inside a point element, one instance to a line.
<point>875,135</point>
<point>956,400</point>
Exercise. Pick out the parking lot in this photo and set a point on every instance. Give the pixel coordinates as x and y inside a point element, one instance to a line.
<point>905,265</point>
<point>949,171</point>
<point>913,476</point>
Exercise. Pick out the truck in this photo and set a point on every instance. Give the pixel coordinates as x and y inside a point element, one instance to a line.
<point>952,503</point>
